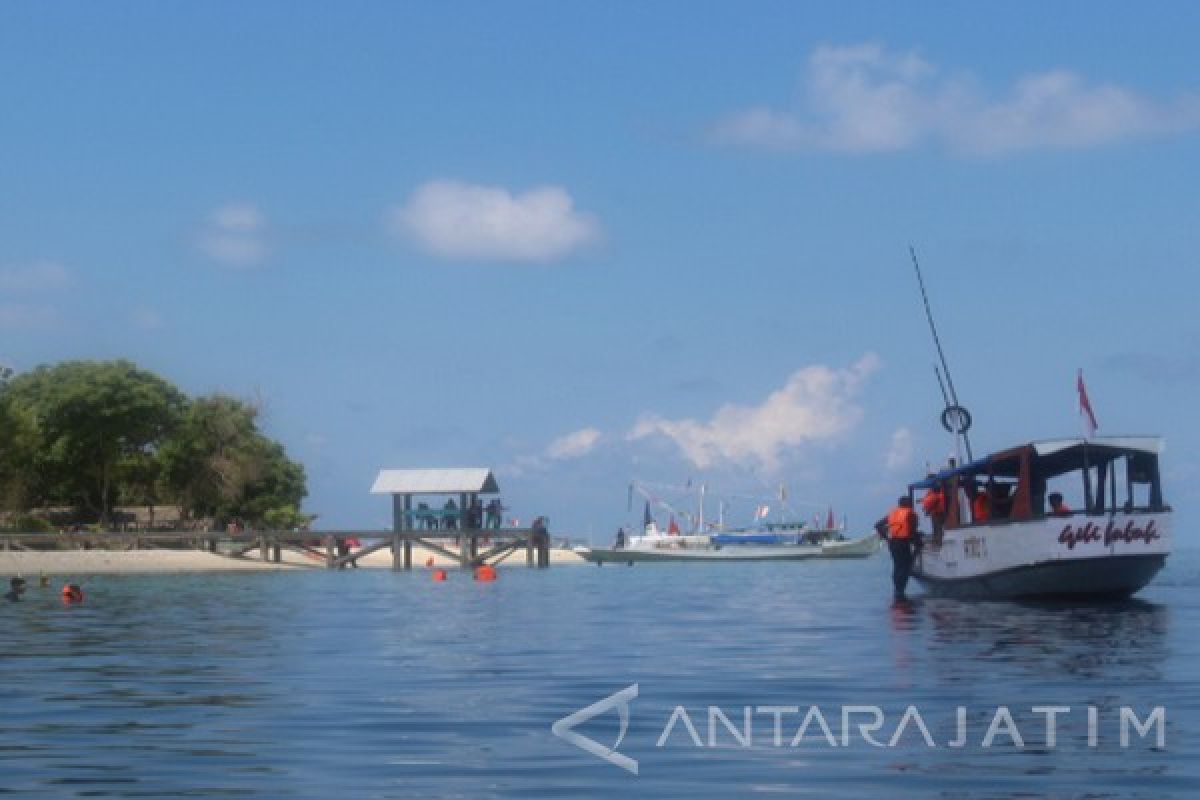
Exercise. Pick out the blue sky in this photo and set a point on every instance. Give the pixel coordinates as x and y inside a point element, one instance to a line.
<point>588,242</point>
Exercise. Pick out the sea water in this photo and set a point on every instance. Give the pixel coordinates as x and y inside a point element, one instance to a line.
<point>377,684</point>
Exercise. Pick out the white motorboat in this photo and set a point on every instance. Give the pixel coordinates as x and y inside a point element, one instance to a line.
<point>1111,546</point>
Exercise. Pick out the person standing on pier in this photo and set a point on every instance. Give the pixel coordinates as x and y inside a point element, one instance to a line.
<point>541,542</point>
<point>494,511</point>
<point>899,528</point>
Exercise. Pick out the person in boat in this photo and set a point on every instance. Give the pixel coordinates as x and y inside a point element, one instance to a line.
<point>980,505</point>
<point>1058,508</point>
<point>999,500</point>
<point>899,529</point>
<point>934,506</point>
<point>620,545</point>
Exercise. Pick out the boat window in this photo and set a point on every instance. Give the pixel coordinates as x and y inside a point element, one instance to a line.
<point>1097,479</point>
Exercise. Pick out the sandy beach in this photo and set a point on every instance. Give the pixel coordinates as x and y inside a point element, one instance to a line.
<point>111,562</point>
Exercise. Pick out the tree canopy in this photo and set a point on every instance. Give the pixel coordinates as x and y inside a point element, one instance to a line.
<point>95,435</point>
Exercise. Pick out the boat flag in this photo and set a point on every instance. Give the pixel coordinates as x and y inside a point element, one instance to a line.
<point>672,528</point>
<point>761,512</point>
<point>829,523</point>
<point>1085,407</point>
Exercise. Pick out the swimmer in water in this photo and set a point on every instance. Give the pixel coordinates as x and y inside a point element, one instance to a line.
<point>15,590</point>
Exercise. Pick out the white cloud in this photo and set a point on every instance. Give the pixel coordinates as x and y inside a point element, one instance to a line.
<point>865,99</point>
<point>573,445</point>
<point>463,221</point>
<point>235,235</point>
<point>816,404</point>
<point>23,317</point>
<point>900,451</point>
<point>42,276</point>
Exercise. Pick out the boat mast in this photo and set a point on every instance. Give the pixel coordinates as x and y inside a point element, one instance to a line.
<point>955,418</point>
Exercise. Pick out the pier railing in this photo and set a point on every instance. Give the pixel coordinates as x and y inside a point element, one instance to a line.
<point>469,547</point>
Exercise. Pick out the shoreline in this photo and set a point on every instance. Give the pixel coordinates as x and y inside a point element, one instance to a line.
<point>153,561</point>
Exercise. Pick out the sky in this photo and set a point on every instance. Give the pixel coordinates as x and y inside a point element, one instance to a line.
<point>586,243</point>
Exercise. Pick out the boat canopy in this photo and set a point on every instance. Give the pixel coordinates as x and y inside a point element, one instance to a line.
<point>1055,456</point>
<point>1018,483</point>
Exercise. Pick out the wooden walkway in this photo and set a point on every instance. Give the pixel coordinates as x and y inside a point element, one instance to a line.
<point>470,547</point>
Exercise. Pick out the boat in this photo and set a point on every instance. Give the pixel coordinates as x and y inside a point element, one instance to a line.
<point>783,540</point>
<point>1110,547</point>
<point>1009,531</point>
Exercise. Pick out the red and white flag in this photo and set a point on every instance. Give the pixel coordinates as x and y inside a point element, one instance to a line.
<point>1085,408</point>
<point>829,523</point>
<point>672,528</point>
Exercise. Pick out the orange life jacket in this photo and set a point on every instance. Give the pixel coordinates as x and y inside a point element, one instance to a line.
<point>934,503</point>
<point>979,507</point>
<point>901,522</point>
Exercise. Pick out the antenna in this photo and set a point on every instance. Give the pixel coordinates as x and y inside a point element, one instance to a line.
<point>955,418</point>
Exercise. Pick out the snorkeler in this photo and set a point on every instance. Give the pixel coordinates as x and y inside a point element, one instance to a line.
<point>16,589</point>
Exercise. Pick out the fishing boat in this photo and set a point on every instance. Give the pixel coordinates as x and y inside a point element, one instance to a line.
<point>1078,517</point>
<point>1111,546</point>
<point>779,540</point>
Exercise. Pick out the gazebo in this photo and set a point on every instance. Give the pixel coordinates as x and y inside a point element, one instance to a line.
<point>465,483</point>
<point>468,483</point>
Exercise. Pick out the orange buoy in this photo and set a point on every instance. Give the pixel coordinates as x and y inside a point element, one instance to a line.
<point>485,572</point>
<point>439,575</point>
<point>429,561</point>
<point>71,593</point>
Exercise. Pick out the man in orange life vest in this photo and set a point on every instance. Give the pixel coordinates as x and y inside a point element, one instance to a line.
<point>899,528</point>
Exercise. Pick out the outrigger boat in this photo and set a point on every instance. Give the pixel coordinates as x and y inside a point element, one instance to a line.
<point>778,545</point>
<point>768,541</point>
<point>1110,548</point>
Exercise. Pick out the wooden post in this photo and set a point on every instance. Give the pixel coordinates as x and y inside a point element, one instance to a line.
<point>276,551</point>
<point>409,524</point>
<point>262,548</point>
<point>396,552</point>
<point>529,549</point>
<point>329,552</point>
<point>464,550</point>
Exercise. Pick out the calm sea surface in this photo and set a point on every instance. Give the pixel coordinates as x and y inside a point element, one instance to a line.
<point>373,684</point>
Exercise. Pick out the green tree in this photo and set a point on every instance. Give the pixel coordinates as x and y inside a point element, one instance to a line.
<point>218,464</point>
<point>97,426</point>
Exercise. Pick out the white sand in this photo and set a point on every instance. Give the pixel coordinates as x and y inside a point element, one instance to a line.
<point>96,562</point>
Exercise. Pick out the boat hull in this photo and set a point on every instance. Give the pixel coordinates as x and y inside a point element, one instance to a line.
<point>1104,578</point>
<point>855,548</point>
<point>1067,557</point>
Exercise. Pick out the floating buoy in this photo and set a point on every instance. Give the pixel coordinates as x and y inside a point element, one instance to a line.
<point>485,572</point>
<point>71,593</point>
<point>429,561</point>
<point>439,575</point>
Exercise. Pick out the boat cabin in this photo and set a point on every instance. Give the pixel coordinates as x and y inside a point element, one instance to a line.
<point>1058,477</point>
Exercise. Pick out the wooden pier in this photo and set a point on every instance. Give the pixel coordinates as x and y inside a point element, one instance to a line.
<point>468,547</point>
<point>463,530</point>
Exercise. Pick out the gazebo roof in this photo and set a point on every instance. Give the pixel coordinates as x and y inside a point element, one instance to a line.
<point>465,480</point>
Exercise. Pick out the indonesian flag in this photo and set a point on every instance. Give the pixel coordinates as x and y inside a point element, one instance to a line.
<point>761,512</point>
<point>672,528</point>
<point>1085,408</point>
